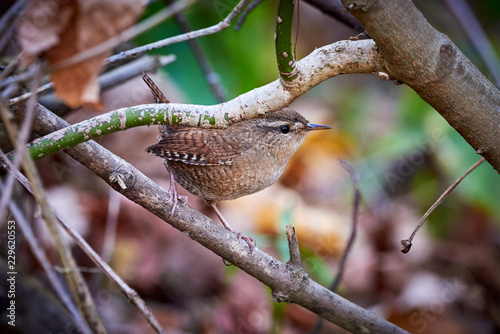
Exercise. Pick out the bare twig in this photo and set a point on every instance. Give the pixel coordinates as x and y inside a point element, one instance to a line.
<point>126,35</point>
<point>44,88</point>
<point>9,91</point>
<point>18,140</point>
<point>109,232</point>
<point>8,21</point>
<point>12,65</point>
<point>25,76</point>
<point>407,243</point>
<point>76,283</point>
<point>247,11</point>
<point>46,266</point>
<point>180,38</point>
<point>477,36</point>
<point>138,29</point>
<point>211,76</point>
<point>336,9</point>
<point>356,198</point>
<point>293,246</point>
<point>106,80</point>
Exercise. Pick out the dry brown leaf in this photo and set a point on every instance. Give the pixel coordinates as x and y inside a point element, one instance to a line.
<point>61,29</point>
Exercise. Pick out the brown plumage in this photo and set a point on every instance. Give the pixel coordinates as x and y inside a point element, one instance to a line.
<point>224,164</point>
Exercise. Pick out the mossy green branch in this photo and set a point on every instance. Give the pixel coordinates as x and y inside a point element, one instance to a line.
<point>284,54</point>
<point>123,119</point>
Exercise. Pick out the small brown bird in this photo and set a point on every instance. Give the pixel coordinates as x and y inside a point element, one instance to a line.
<point>224,164</point>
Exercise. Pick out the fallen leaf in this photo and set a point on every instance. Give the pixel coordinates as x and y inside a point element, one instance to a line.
<point>59,30</point>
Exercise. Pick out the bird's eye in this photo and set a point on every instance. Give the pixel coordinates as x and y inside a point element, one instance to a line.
<point>284,128</point>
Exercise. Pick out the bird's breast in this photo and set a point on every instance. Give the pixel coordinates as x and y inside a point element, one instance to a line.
<point>250,172</point>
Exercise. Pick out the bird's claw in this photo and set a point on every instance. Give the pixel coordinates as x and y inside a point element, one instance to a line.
<point>174,198</point>
<point>249,240</point>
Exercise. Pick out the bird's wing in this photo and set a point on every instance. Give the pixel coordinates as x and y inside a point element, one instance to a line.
<point>199,147</point>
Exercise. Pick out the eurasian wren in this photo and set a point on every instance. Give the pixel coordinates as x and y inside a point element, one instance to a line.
<point>224,164</point>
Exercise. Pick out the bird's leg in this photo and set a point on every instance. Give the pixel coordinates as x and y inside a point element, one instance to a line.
<point>173,195</point>
<point>250,241</point>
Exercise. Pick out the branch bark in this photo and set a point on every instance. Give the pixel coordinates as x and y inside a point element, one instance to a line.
<point>428,61</point>
<point>288,283</point>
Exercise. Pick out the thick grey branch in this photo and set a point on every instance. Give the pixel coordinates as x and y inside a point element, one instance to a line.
<point>427,61</point>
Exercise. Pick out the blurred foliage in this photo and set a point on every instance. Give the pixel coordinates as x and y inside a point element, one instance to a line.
<point>414,129</point>
<point>315,266</point>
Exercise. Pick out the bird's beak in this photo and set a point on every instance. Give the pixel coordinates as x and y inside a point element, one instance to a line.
<point>311,127</point>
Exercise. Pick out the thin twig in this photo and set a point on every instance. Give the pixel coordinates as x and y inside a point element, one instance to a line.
<point>134,68</point>
<point>354,226</point>
<point>8,20</point>
<point>247,11</point>
<point>477,36</point>
<point>138,29</point>
<point>12,65</point>
<point>109,232</point>
<point>93,270</point>
<point>356,198</point>
<point>293,246</point>
<point>20,139</point>
<point>126,35</point>
<point>336,9</point>
<point>25,76</point>
<point>407,243</point>
<point>75,280</point>
<point>109,79</point>
<point>9,92</point>
<point>180,38</point>
<point>44,88</point>
<point>46,266</point>
<point>211,76</point>
<point>131,294</point>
